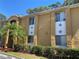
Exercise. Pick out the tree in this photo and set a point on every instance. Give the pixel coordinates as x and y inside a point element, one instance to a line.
<point>5,31</point>
<point>52,5</point>
<point>57,4</point>
<point>16,32</point>
<point>39,9</point>
<point>29,11</point>
<point>2,22</point>
<point>76,1</point>
<point>43,8</point>
<point>70,2</point>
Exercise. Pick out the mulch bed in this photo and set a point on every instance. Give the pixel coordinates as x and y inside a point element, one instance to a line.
<point>6,49</point>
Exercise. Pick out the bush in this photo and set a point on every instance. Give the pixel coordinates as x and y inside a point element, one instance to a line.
<point>28,49</point>
<point>71,52</point>
<point>50,52</point>
<point>59,51</point>
<point>36,50</point>
<point>18,48</point>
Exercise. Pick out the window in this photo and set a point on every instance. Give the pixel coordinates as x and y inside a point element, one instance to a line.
<point>60,16</point>
<point>31,20</point>
<point>31,26</point>
<point>30,39</point>
<point>57,17</point>
<point>61,40</point>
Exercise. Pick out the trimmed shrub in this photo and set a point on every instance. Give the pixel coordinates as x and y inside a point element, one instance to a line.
<point>18,48</point>
<point>37,50</point>
<point>71,52</point>
<point>28,49</point>
<point>50,52</point>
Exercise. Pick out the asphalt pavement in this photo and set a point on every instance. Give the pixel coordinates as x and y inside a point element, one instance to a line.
<point>3,56</point>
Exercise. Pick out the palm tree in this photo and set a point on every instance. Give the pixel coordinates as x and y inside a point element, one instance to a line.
<point>16,32</point>
<point>2,22</point>
<point>5,31</point>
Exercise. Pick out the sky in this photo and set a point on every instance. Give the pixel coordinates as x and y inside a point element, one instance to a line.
<point>19,7</point>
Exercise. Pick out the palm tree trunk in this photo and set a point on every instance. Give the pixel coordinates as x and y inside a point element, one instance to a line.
<point>17,23</point>
<point>6,41</point>
<point>16,40</point>
<point>26,42</point>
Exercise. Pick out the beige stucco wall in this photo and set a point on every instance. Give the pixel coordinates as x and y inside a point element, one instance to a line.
<point>44,30</point>
<point>68,27</point>
<point>75,26</point>
<point>52,29</point>
<point>24,23</point>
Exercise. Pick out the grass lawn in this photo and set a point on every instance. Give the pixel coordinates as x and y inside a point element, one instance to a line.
<point>24,55</point>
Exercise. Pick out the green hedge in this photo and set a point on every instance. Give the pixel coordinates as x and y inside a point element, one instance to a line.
<point>50,52</point>
<point>18,48</point>
<point>36,50</point>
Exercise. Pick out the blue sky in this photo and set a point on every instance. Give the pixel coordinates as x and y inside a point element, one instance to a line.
<point>13,7</point>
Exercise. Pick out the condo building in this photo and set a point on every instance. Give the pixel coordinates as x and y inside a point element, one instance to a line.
<point>58,27</point>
